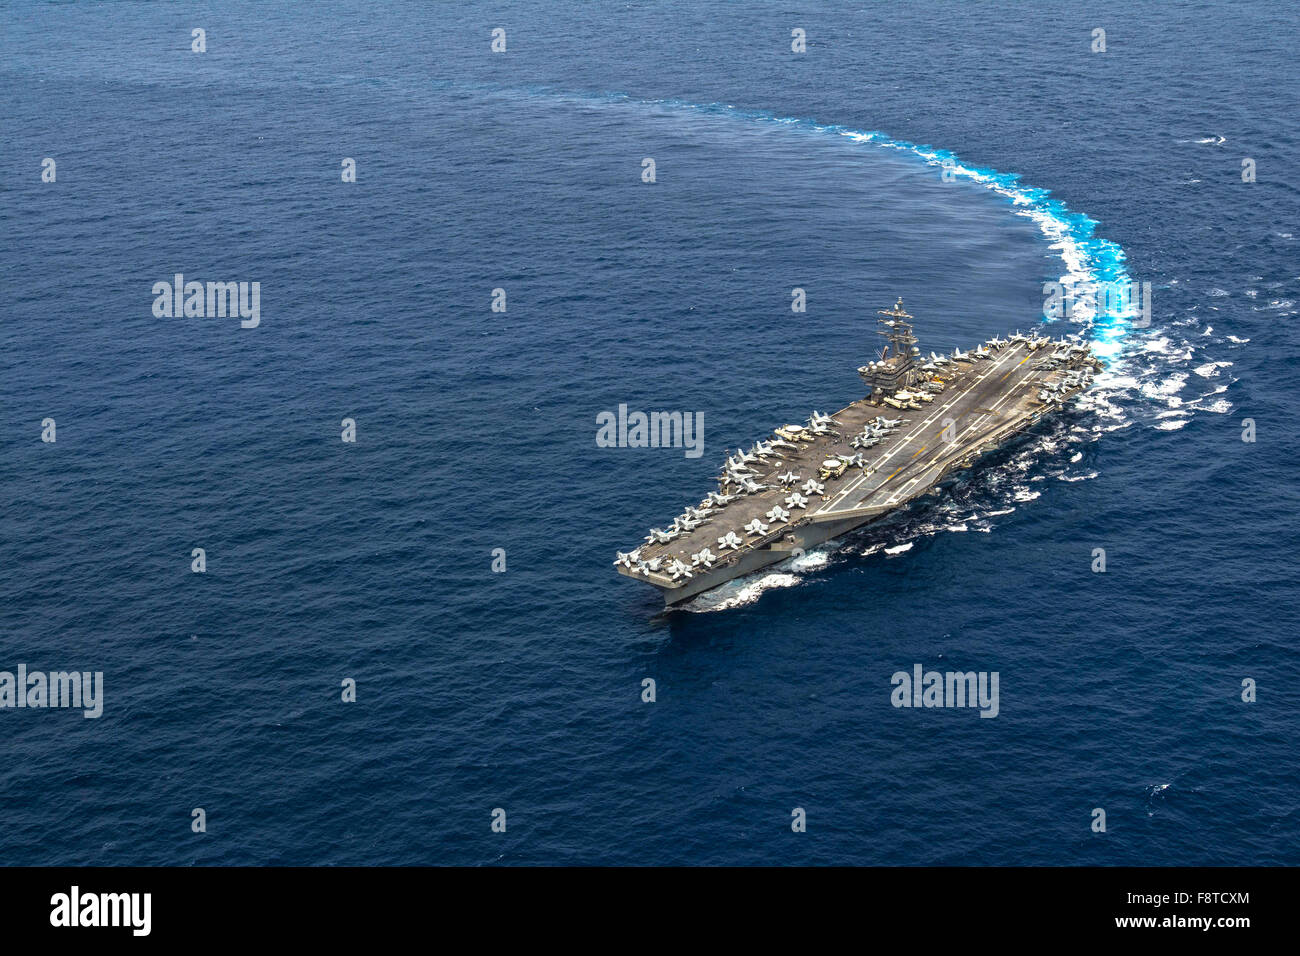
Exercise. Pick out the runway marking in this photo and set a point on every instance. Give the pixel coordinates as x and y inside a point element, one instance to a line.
<point>1022,362</point>
<point>979,426</point>
<point>969,430</point>
<point>919,427</point>
<point>987,412</point>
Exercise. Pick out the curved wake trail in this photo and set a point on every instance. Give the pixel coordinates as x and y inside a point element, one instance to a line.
<point>1088,260</point>
<point>974,502</point>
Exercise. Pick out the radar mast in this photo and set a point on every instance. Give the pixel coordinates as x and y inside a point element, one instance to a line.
<point>896,369</point>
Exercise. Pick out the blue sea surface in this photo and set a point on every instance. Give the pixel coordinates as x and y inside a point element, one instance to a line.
<point>522,690</point>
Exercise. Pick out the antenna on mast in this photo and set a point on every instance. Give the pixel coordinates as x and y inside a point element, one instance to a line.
<point>899,329</point>
<point>895,371</point>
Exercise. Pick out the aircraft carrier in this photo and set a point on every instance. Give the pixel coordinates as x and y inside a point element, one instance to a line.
<point>920,421</point>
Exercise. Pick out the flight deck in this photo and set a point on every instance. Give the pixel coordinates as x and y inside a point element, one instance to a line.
<point>809,482</point>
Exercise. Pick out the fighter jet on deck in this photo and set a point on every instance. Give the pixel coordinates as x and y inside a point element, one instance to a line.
<point>704,557</point>
<point>777,514</point>
<point>678,568</point>
<point>729,540</point>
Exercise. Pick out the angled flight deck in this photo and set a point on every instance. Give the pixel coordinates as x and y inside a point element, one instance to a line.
<point>810,482</point>
<point>977,410</point>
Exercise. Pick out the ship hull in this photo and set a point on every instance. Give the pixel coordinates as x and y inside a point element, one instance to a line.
<point>979,404</point>
<point>803,539</point>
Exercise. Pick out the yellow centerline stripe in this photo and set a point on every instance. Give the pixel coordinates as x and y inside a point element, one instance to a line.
<point>844,492</point>
<point>1022,362</point>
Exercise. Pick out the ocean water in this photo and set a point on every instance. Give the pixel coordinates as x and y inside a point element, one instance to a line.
<point>521,690</point>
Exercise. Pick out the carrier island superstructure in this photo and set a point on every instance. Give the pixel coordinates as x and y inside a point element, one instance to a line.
<point>921,420</point>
